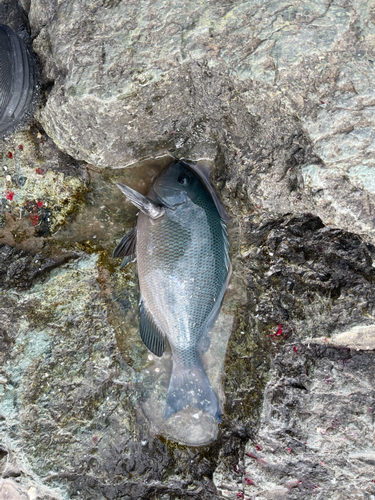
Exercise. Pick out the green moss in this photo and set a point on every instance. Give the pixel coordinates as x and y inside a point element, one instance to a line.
<point>247,365</point>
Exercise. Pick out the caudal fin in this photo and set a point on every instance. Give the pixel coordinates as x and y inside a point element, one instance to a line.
<point>189,386</point>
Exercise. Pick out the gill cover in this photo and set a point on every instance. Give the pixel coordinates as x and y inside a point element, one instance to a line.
<point>202,171</point>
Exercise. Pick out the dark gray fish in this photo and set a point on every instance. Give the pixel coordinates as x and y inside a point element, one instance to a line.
<point>181,246</point>
<point>18,88</point>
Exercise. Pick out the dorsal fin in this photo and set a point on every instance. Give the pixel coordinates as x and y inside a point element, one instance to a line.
<point>202,170</point>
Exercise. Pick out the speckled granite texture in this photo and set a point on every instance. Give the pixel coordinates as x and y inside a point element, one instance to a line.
<point>278,97</point>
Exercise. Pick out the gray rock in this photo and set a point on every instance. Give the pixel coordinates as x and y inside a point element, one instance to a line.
<point>10,491</point>
<point>282,90</point>
<point>278,96</point>
<point>315,437</point>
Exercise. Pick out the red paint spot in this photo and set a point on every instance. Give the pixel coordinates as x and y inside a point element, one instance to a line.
<point>259,447</point>
<point>278,333</point>
<point>249,481</point>
<point>288,450</point>
<point>299,27</point>
<point>323,102</point>
<point>240,494</point>
<point>20,147</point>
<point>95,439</point>
<point>370,410</point>
<point>40,204</point>
<point>263,461</point>
<point>34,219</point>
<point>235,154</point>
<point>295,349</point>
<point>9,195</point>
<point>251,455</point>
<point>39,171</point>
<point>10,155</point>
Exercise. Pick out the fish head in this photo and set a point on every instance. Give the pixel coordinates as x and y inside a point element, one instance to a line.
<point>176,184</point>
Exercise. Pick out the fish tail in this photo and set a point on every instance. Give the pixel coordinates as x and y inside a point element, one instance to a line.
<point>189,386</point>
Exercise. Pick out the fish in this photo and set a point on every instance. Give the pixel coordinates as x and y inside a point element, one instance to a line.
<point>18,81</point>
<point>180,243</point>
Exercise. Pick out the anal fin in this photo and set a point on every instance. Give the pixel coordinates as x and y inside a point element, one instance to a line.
<point>153,338</point>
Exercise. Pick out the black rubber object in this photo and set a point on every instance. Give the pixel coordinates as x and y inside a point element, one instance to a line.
<point>17,81</point>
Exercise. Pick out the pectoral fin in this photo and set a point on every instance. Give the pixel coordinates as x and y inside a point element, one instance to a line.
<point>153,338</point>
<point>127,260</point>
<point>127,245</point>
<point>145,205</point>
<point>126,248</point>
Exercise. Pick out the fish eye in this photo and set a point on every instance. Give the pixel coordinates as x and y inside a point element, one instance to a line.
<point>184,179</point>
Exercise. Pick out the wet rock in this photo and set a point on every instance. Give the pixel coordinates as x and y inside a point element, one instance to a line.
<point>69,390</point>
<point>19,269</point>
<point>302,279</point>
<point>12,14</point>
<point>75,371</point>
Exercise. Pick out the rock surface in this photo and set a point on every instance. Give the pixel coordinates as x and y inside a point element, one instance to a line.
<point>282,89</point>
<point>278,97</point>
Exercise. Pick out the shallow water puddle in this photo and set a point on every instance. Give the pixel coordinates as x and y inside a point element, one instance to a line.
<point>190,426</point>
<point>107,214</point>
